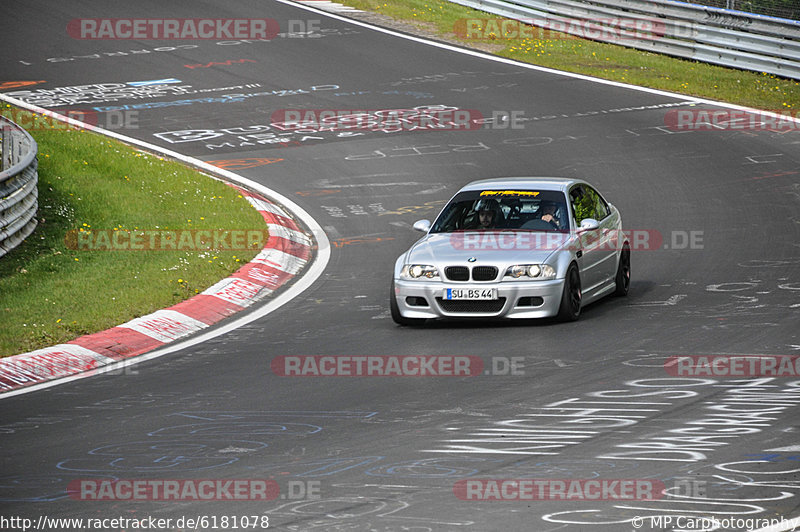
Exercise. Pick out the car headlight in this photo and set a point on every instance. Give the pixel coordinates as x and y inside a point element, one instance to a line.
<point>417,271</point>
<point>541,272</point>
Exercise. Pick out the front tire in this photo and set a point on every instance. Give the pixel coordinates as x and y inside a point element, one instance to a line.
<point>570,308</point>
<point>623,278</point>
<point>395,312</point>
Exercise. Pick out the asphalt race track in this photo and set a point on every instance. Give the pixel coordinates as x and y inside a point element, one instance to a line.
<point>589,400</point>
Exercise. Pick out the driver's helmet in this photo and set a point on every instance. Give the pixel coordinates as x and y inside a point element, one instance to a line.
<point>488,204</point>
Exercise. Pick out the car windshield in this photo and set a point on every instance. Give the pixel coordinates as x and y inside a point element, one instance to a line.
<point>507,210</point>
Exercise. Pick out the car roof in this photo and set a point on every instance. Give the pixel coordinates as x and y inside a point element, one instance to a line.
<point>540,183</point>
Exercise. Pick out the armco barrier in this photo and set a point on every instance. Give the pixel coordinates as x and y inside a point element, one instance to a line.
<point>18,179</point>
<point>701,33</point>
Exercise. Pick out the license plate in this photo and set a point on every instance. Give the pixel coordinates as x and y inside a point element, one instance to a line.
<point>472,294</point>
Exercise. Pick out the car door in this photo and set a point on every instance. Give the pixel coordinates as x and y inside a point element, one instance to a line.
<point>608,235</point>
<point>596,250</point>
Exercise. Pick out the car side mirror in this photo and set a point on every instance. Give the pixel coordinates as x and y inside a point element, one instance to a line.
<point>422,225</point>
<point>588,224</point>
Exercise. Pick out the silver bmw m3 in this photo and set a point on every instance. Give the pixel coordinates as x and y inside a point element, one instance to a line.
<point>522,247</point>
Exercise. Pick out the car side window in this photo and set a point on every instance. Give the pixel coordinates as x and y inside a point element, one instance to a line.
<point>582,204</point>
<point>601,209</point>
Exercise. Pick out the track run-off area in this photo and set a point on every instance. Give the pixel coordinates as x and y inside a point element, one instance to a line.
<point>576,426</point>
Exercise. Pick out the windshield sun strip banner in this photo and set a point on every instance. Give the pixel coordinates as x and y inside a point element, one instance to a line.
<point>509,193</point>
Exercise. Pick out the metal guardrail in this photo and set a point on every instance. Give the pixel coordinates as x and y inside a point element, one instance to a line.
<point>773,8</point>
<point>701,33</point>
<point>18,179</point>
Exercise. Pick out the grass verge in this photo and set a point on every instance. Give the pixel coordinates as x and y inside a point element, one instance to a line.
<point>50,293</point>
<point>564,52</point>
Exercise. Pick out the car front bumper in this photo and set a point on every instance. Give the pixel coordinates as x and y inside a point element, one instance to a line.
<point>516,299</point>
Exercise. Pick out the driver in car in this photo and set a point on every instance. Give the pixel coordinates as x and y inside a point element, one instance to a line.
<point>489,214</point>
<point>547,213</point>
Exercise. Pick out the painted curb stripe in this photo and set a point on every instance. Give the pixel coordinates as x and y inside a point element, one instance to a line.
<point>165,325</point>
<point>285,253</point>
<point>45,364</point>
<point>208,309</point>
<point>279,231</point>
<point>279,216</point>
<point>280,260</point>
<point>280,220</point>
<point>266,276</point>
<point>300,251</point>
<point>117,343</point>
<point>235,290</point>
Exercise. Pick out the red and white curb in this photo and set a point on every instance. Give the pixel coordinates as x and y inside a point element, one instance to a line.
<point>286,252</point>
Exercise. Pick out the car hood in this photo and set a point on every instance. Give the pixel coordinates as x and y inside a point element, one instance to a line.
<point>488,247</point>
